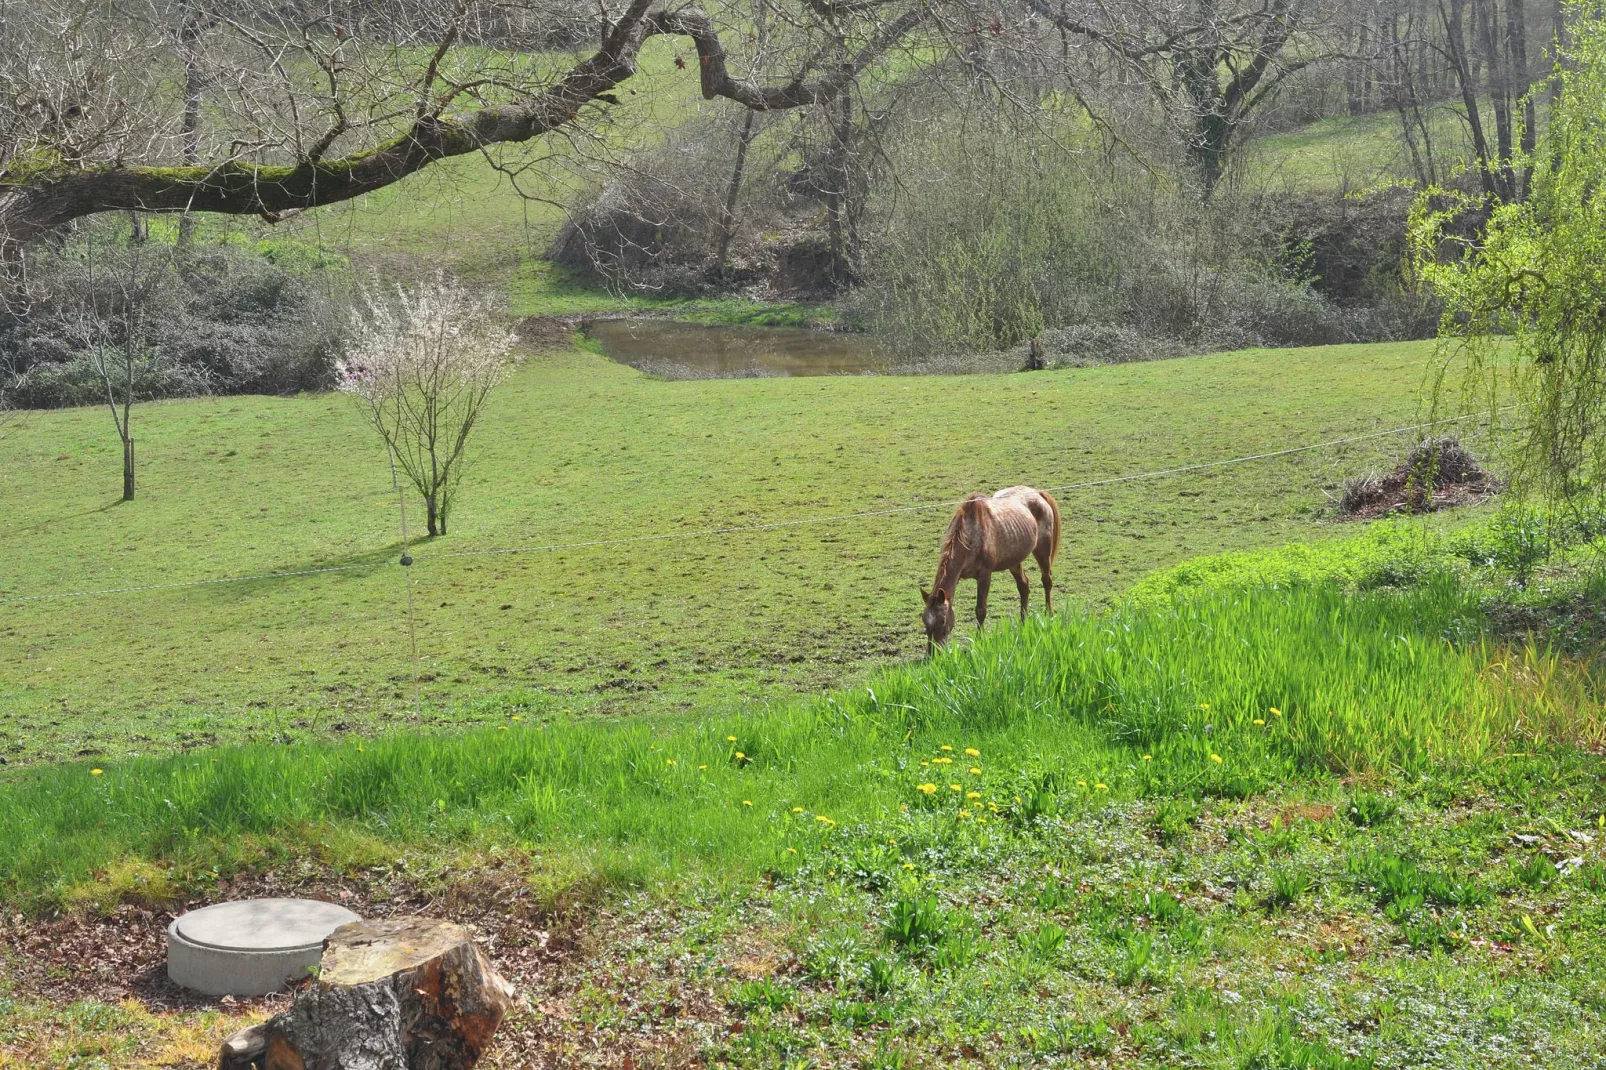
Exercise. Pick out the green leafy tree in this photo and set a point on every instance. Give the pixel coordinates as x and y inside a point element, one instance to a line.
<point>1524,328</point>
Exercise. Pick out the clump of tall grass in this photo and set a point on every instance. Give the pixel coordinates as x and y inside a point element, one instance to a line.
<point>1351,682</point>
<point>1221,695</point>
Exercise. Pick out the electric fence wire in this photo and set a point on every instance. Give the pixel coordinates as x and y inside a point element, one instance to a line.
<point>737,529</point>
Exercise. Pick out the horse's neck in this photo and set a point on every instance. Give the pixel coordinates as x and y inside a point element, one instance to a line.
<point>961,545</point>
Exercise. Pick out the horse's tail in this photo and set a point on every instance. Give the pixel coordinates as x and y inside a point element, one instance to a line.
<point>1053,507</point>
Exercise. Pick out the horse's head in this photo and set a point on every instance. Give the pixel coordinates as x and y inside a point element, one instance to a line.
<point>938,617</point>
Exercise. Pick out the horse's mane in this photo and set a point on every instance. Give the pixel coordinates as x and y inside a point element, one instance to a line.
<point>957,538</point>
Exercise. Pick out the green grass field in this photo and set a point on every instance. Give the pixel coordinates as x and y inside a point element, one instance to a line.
<point>1248,830</point>
<point>576,449</point>
<point>1193,820</point>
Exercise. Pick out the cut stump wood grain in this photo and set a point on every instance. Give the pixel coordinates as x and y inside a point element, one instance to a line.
<point>400,994</point>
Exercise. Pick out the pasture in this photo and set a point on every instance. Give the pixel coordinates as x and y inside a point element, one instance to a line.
<point>575,449</point>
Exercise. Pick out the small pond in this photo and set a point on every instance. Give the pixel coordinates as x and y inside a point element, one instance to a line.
<point>692,351</point>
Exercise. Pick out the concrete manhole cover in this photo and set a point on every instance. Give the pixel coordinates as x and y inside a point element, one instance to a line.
<point>252,946</point>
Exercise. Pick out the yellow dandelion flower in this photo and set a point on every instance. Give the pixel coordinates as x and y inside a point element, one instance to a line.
<point>96,772</point>
<point>1148,757</point>
<point>1101,786</point>
<point>908,865</point>
<point>797,809</point>
<point>974,771</point>
<point>747,802</point>
<point>518,716</point>
<point>740,755</point>
<point>1275,712</point>
<point>972,794</point>
<point>981,821</point>
<point>1260,720</point>
<point>730,739</point>
<point>929,789</point>
<point>1081,783</point>
<point>1216,758</point>
<point>501,728</point>
<point>791,850</point>
<point>822,819</point>
<point>955,787</point>
<point>973,752</point>
<point>669,761</point>
<point>945,748</point>
<point>1204,705</point>
<point>702,767</point>
<point>924,762</point>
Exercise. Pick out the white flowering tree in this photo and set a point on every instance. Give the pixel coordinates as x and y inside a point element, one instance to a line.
<point>421,361</point>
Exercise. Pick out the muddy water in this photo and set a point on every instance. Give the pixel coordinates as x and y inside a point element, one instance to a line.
<point>691,351</point>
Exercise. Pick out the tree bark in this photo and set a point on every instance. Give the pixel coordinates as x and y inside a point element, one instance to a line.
<point>128,469</point>
<point>403,994</point>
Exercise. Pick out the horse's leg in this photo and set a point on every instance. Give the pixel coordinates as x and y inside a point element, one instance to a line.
<point>1045,565</point>
<point>983,583</point>
<point>1025,589</point>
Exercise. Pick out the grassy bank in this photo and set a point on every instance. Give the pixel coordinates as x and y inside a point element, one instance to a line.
<point>1247,829</point>
<point>1359,685</point>
<point>575,449</point>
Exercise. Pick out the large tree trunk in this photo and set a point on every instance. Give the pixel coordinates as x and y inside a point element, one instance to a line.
<point>402,994</point>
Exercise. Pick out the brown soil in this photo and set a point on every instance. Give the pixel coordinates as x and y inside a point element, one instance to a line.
<point>542,333</point>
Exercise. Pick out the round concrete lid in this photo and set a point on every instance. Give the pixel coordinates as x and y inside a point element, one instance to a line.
<point>263,924</point>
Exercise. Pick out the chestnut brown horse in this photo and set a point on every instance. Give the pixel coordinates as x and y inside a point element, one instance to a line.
<point>989,535</point>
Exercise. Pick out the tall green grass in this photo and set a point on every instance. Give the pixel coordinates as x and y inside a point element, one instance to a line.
<point>1227,693</point>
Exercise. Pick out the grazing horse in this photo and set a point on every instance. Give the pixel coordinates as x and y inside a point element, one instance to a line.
<point>989,535</point>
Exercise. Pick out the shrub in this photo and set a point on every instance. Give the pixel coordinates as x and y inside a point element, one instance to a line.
<point>218,319</point>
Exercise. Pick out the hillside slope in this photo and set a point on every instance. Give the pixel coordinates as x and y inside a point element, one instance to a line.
<point>576,449</point>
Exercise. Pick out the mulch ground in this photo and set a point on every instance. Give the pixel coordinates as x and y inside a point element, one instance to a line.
<point>557,961</point>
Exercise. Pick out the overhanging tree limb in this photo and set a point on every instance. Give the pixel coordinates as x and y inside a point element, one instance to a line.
<point>37,198</point>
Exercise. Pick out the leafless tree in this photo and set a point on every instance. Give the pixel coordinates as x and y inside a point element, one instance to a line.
<point>312,102</point>
<point>109,327</point>
<point>1210,64</point>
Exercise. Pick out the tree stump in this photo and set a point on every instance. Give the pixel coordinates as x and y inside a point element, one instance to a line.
<point>402,994</point>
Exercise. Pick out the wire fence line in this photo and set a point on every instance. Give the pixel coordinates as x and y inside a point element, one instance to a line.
<point>735,529</point>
